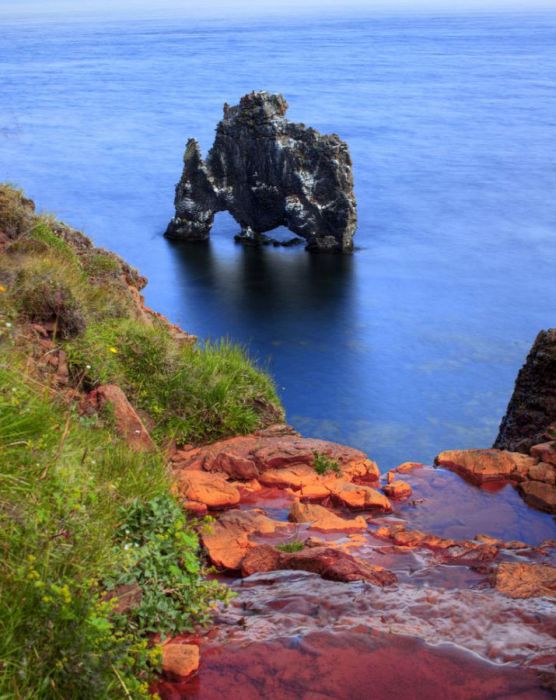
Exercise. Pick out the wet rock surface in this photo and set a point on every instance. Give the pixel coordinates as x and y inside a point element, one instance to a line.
<point>518,580</point>
<point>323,519</point>
<point>460,562</point>
<point>268,172</point>
<point>179,660</point>
<point>536,479</point>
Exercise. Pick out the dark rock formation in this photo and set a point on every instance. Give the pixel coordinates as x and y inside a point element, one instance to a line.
<point>268,172</point>
<point>531,414</point>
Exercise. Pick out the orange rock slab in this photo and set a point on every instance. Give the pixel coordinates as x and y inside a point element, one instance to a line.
<point>213,490</point>
<point>517,580</point>
<point>320,518</point>
<point>398,489</point>
<point>180,660</point>
<point>481,466</point>
<point>249,456</point>
<point>359,496</point>
<point>227,541</point>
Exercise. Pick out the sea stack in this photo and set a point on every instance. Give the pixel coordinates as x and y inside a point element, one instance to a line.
<point>268,172</point>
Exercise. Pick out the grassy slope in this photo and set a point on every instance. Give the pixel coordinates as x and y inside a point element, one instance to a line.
<point>80,514</point>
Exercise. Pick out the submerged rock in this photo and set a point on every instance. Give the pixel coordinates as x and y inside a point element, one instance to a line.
<point>539,495</point>
<point>268,172</point>
<point>536,479</point>
<point>517,580</point>
<point>531,414</point>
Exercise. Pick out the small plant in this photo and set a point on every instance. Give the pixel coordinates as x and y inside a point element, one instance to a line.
<point>43,297</point>
<point>291,546</point>
<point>161,554</point>
<point>101,264</point>
<point>324,464</point>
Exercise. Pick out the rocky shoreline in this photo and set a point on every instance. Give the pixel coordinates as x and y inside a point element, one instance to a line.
<point>329,558</point>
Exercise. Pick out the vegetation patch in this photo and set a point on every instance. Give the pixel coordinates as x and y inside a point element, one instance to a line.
<point>95,553</point>
<point>193,394</point>
<point>292,546</point>
<point>324,464</point>
<point>81,516</point>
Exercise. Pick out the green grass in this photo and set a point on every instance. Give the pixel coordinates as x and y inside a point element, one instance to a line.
<point>324,464</point>
<point>192,394</point>
<point>81,514</point>
<point>292,546</point>
<point>52,275</point>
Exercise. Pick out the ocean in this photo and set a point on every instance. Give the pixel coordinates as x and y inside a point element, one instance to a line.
<point>407,347</point>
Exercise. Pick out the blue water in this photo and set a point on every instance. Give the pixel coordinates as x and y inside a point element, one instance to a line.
<point>407,347</point>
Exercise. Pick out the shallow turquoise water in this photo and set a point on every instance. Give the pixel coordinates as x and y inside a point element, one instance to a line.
<point>407,347</point>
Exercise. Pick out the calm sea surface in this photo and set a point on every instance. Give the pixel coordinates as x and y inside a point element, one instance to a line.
<point>409,346</point>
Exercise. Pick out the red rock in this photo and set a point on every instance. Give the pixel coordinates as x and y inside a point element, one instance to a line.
<point>545,452</point>
<point>358,496</point>
<point>450,549</point>
<point>191,459</point>
<point>398,489</point>
<point>323,519</point>
<point>211,489</point>
<point>295,477</point>
<point>260,559</point>
<point>543,472</point>
<point>539,495</point>
<point>335,565</point>
<point>233,464</point>
<point>248,456</point>
<point>481,466</point>
<point>195,507</point>
<point>227,541</point>
<point>180,660</point>
<point>329,563</point>
<point>128,424</point>
<point>407,467</point>
<point>526,580</point>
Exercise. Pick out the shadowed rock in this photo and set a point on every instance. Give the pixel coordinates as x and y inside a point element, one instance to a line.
<point>531,414</point>
<point>329,563</point>
<point>268,172</point>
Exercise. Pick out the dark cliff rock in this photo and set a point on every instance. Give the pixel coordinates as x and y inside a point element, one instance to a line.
<point>531,413</point>
<point>268,172</point>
